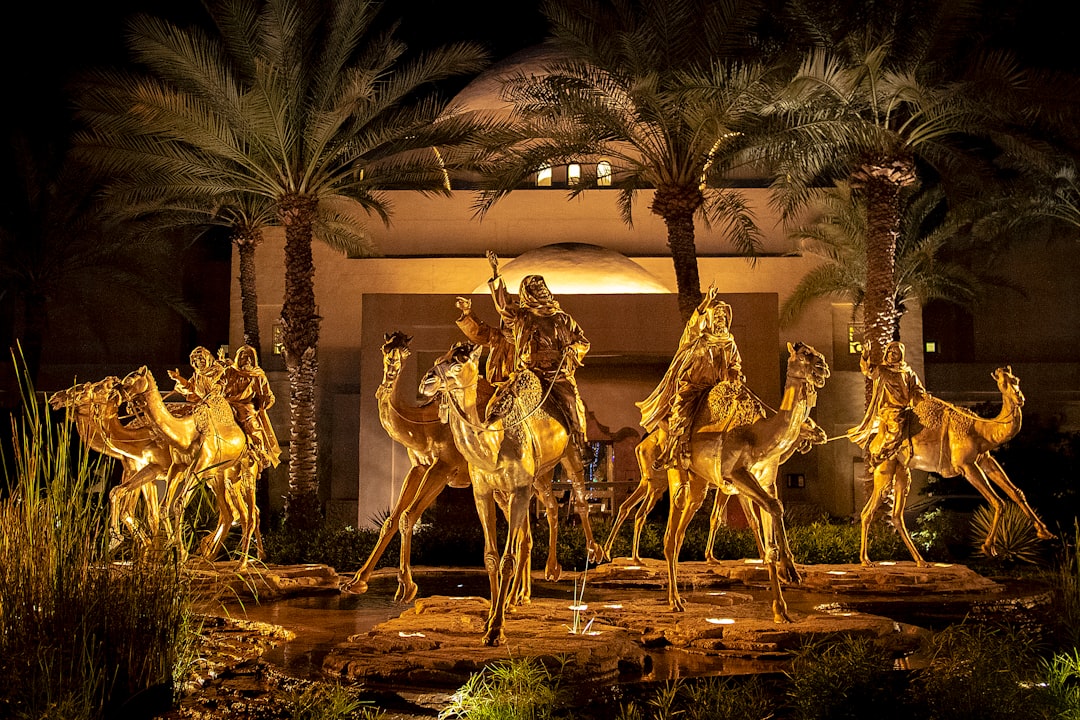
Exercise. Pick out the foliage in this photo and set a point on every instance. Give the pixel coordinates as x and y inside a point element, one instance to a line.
<point>923,269</point>
<point>1015,542</point>
<point>342,548</point>
<point>1063,613</point>
<point>80,636</point>
<point>662,90</point>
<point>512,690</point>
<point>977,671</point>
<point>941,533</point>
<point>1062,673</point>
<point>851,678</point>
<point>326,701</point>
<point>303,104</point>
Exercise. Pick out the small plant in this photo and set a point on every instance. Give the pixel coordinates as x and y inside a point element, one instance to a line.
<point>846,679</point>
<point>327,701</point>
<point>513,690</point>
<point>978,672</point>
<point>1015,541</point>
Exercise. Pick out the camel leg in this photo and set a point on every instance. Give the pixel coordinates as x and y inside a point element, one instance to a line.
<point>552,571</point>
<point>518,522</point>
<point>993,470</point>
<point>753,517</point>
<point>716,519</point>
<point>521,589</point>
<point>901,488</point>
<point>975,475</point>
<point>774,537</point>
<point>434,481</point>
<point>687,495</point>
<point>212,543</point>
<point>571,463</point>
<point>485,509</point>
<point>882,478</point>
<point>624,512</point>
<point>409,488</point>
<point>642,515</point>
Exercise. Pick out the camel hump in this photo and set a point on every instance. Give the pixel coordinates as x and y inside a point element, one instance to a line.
<point>728,405</point>
<point>934,413</point>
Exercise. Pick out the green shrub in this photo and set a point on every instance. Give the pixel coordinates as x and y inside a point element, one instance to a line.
<point>80,636</point>
<point>850,678</point>
<point>978,672</point>
<point>522,689</point>
<point>1015,541</point>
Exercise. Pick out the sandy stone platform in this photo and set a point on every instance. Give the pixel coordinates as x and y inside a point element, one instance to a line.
<point>437,642</point>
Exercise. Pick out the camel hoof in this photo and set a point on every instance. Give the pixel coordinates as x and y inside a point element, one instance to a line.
<point>677,605</point>
<point>1045,534</point>
<point>494,639</point>
<point>356,587</point>
<point>405,593</point>
<point>553,574</point>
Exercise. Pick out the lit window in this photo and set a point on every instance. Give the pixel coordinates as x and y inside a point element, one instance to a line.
<point>543,177</point>
<point>603,173</point>
<point>930,346</point>
<point>573,174</point>
<point>854,344</point>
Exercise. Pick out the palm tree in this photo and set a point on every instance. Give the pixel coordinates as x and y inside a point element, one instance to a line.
<point>925,270</point>
<point>303,103</point>
<point>891,91</point>
<point>657,87</point>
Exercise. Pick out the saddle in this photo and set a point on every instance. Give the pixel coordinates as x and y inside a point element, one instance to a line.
<point>515,399</point>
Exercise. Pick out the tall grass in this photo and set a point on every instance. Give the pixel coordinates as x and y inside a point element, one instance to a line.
<point>80,637</point>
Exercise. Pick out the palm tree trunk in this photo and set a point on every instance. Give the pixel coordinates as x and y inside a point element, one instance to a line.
<point>300,326</point>
<point>246,240</point>
<point>882,184</point>
<point>676,205</point>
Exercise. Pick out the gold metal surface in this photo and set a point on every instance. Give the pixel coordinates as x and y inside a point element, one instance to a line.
<point>219,435</point>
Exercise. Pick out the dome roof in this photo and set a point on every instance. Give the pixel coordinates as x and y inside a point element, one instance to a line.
<point>580,269</point>
<point>484,93</point>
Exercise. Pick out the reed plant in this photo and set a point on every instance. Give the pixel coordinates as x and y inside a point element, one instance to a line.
<point>517,689</point>
<point>80,637</point>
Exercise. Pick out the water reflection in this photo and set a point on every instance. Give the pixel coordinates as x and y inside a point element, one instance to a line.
<point>322,621</point>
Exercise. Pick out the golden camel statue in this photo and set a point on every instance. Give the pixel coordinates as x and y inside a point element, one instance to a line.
<point>509,458</point>
<point>731,457</point>
<point>951,441</point>
<point>654,485</point>
<point>220,457</point>
<point>144,460</point>
<point>435,463</point>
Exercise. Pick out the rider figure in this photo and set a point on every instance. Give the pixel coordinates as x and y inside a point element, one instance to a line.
<point>207,380</point>
<point>548,342</point>
<point>249,394</point>
<point>896,390</point>
<point>707,355</point>
<point>498,340</point>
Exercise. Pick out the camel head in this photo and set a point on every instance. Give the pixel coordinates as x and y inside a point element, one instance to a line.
<point>1008,384</point>
<point>137,382</point>
<point>806,363</point>
<point>395,349</point>
<point>458,368</point>
<point>810,434</point>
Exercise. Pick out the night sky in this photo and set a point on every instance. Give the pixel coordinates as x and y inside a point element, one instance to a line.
<point>45,44</point>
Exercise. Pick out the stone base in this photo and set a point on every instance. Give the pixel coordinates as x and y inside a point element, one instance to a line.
<point>438,642</point>
<point>227,581</point>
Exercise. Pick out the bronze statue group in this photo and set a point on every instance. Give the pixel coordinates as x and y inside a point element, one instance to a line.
<point>504,410</point>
